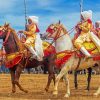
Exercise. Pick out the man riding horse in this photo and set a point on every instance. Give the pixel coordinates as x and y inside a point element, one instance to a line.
<point>97,28</point>
<point>30,32</point>
<point>85,34</point>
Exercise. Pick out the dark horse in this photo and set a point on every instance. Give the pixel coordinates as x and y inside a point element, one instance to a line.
<point>14,47</point>
<point>88,78</point>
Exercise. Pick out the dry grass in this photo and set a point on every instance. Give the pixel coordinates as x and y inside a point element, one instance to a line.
<point>35,84</point>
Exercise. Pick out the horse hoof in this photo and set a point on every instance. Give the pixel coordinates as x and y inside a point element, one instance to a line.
<point>25,91</point>
<point>87,89</point>
<point>55,92</point>
<point>95,94</point>
<point>67,95</point>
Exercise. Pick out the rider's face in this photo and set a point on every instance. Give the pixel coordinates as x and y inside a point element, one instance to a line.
<point>29,21</point>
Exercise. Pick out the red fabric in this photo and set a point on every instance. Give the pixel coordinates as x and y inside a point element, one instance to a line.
<point>14,61</point>
<point>49,30</point>
<point>1,32</point>
<point>37,29</point>
<point>89,21</point>
<point>63,60</point>
<point>96,58</point>
<point>50,50</point>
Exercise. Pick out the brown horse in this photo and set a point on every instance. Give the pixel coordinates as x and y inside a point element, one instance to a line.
<point>18,59</point>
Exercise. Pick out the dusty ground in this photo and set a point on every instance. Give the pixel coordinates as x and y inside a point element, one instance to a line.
<point>35,84</point>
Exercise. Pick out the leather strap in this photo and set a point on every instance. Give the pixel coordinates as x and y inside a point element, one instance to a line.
<point>7,36</point>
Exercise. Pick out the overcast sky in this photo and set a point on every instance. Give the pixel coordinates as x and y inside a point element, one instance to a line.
<point>48,11</point>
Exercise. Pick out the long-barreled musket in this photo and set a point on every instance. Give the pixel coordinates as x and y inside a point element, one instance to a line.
<point>81,8</point>
<point>25,13</point>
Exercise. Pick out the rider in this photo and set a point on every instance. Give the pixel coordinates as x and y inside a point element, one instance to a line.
<point>97,28</point>
<point>84,33</point>
<point>30,32</point>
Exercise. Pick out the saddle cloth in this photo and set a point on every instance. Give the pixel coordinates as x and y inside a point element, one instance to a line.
<point>13,59</point>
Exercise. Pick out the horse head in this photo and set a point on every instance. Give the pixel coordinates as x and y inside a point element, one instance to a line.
<point>60,36</point>
<point>55,31</point>
<point>2,31</point>
<point>10,39</point>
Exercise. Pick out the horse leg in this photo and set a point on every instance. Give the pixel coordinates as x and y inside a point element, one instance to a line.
<point>75,79</point>
<point>89,78</point>
<point>51,75</point>
<point>97,92</point>
<point>67,85</point>
<point>12,72</point>
<point>17,76</point>
<point>63,71</point>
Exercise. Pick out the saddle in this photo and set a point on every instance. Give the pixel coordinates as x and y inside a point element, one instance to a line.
<point>62,57</point>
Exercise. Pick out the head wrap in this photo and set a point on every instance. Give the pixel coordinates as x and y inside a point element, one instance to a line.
<point>87,14</point>
<point>34,19</point>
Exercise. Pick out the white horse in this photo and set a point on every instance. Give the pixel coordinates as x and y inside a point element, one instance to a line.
<point>63,43</point>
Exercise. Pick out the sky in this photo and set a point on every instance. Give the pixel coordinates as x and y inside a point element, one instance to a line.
<point>48,11</point>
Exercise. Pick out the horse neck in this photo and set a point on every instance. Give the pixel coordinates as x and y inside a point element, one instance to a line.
<point>15,42</point>
<point>10,45</point>
<point>63,43</point>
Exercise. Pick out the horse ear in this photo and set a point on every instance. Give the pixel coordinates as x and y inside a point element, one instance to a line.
<point>6,24</point>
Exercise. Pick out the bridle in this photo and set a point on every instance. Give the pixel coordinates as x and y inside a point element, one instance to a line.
<point>7,35</point>
<point>59,29</point>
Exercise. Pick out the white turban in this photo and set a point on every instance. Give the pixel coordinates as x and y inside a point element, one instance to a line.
<point>87,14</point>
<point>98,22</point>
<point>34,19</point>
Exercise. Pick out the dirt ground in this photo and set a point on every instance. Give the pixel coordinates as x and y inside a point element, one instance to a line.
<point>35,84</point>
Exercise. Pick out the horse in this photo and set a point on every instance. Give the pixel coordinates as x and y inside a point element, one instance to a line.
<point>71,58</point>
<point>18,57</point>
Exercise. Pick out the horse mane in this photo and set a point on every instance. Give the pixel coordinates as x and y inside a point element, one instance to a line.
<point>64,29</point>
<point>18,42</point>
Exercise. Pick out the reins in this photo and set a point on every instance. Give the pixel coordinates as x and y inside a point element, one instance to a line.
<point>68,32</point>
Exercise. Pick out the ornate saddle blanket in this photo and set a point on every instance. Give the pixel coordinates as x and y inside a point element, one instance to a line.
<point>48,49</point>
<point>92,49</point>
<point>13,59</point>
<point>62,57</point>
